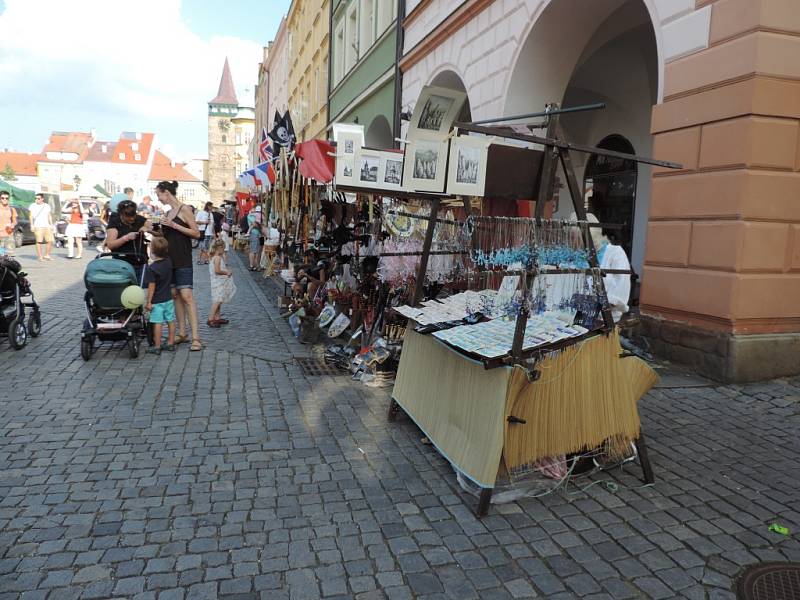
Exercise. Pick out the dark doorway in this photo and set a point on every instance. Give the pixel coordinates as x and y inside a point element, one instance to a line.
<point>613,185</point>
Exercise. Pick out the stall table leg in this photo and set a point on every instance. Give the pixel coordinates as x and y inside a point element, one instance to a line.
<point>483,502</point>
<point>394,408</point>
<point>644,459</point>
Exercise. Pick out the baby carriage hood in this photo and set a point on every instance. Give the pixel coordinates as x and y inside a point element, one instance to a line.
<point>106,279</point>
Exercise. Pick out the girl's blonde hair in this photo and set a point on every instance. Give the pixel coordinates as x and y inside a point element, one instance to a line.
<point>217,245</point>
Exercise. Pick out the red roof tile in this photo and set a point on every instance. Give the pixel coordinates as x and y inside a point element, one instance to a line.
<point>72,142</point>
<point>165,170</point>
<point>133,145</point>
<point>226,93</point>
<point>22,163</point>
<point>101,151</point>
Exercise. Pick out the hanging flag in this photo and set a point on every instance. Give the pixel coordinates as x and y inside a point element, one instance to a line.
<point>254,175</point>
<point>268,170</point>
<point>264,150</point>
<point>283,131</point>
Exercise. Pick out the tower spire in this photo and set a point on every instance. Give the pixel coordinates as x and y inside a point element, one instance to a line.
<point>226,93</point>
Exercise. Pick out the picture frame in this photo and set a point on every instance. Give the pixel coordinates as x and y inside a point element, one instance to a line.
<point>425,165</point>
<point>352,131</point>
<point>435,111</point>
<point>345,171</point>
<point>368,163</point>
<point>466,173</point>
<point>390,175</point>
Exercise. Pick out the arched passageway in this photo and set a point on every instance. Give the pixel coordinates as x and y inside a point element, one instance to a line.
<point>585,52</point>
<point>379,133</point>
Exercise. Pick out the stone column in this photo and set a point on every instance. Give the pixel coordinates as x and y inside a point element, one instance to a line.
<point>721,284</point>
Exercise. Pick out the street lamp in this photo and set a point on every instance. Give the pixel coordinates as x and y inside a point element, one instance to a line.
<point>77,181</point>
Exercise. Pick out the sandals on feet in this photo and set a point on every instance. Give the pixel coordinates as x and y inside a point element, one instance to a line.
<point>196,346</point>
<point>212,323</point>
<point>181,339</point>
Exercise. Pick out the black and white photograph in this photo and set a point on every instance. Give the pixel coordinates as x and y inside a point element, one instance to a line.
<point>368,168</point>
<point>347,171</point>
<point>467,165</point>
<point>394,172</point>
<point>466,173</point>
<point>434,112</point>
<point>349,147</point>
<point>425,163</point>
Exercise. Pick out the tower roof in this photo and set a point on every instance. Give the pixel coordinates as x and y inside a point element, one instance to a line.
<point>226,93</point>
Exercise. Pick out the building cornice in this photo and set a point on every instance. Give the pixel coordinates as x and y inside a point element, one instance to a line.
<point>455,21</point>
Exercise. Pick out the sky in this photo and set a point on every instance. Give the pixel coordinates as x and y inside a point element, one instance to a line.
<point>125,65</point>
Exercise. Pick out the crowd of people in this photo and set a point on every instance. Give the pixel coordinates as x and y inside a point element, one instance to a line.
<point>157,240</point>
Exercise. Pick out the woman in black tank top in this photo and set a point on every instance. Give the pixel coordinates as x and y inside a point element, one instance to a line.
<point>179,228</point>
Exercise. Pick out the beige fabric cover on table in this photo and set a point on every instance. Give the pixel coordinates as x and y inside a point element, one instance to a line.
<point>586,396</point>
<point>459,405</point>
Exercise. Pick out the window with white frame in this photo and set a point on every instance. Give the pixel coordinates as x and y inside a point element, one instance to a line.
<point>387,13</point>
<point>351,37</point>
<point>368,18</point>
<point>338,47</point>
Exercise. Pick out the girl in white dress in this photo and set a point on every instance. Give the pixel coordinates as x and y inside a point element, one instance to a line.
<point>222,286</point>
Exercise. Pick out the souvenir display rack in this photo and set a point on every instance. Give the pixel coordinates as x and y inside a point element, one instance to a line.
<point>468,416</point>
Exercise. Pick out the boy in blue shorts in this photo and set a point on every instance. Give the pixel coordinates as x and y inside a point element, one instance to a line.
<point>158,279</point>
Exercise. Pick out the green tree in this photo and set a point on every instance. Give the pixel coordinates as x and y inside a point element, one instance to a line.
<point>8,173</point>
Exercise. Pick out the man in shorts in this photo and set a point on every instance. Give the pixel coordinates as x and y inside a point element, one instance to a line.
<point>42,225</point>
<point>8,223</point>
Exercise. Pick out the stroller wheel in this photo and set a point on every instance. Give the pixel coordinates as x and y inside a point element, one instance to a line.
<point>133,347</point>
<point>35,324</point>
<point>87,346</point>
<point>17,334</point>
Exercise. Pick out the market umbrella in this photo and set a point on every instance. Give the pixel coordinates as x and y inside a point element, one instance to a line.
<point>317,162</point>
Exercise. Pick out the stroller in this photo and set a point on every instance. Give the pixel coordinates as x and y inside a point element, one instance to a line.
<point>15,296</point>
<point>107,320</point>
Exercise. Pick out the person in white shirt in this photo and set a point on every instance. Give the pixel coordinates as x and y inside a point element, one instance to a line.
<point>205,222</point>
<point>42,225</point>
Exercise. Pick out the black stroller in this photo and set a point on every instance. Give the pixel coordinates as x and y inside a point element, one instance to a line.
<point>107,319</point>
<point>15,296</point>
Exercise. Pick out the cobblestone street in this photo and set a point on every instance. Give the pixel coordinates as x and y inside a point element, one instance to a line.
<point>227,473</point>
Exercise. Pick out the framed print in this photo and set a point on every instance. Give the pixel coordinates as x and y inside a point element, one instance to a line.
<point>390,174</point>
<point>368,164</point>
<point>425,165</point>
<point>466,173</point>
<point>345,170</point>
<point>435,111</point>
<point>352,131</point>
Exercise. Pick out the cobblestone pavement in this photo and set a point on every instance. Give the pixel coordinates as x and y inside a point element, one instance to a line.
<point>228,474</point>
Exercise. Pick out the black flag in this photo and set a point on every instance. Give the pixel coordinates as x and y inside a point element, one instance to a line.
<point>283,131</point>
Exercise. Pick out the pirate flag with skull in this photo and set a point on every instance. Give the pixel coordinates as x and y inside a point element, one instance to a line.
<point>283,131</point>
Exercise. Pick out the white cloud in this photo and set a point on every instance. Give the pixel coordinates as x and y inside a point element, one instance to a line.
<point>135,59</point>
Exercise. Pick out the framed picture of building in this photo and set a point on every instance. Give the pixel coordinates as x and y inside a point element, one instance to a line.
<point>425,165</point>
<point>348,137</point>
<point>368,164</point>
<point>435,111</point>
<point>345,170</point>
<point>390,175</point>
<point>466,173</point>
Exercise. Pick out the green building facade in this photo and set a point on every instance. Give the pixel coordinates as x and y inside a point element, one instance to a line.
<point>364,79</point>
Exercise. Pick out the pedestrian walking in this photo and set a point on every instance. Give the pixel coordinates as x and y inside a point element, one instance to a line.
<point>222,286</point>
<point>205,222</point>
<point>255,235</point>
<point>8,223</point>
<point>158,279</point>
<point>76,229</point>
<point>42,225</point>
<point>179,228</point>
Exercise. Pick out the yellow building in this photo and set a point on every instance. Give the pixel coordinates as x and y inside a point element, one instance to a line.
<point>308,24</point>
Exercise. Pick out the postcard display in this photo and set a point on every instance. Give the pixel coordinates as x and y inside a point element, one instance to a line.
<point>521,362</point>
<point>505,378</point>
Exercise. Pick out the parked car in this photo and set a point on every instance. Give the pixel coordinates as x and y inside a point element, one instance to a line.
<point>23,234</point>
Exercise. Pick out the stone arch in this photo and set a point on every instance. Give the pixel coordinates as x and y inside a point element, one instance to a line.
<point>447,77</point>
<point>379,133</point>
<point>608,51</point>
